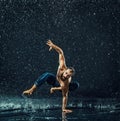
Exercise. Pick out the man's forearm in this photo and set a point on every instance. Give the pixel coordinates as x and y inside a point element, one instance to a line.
<point>54,89</point>
<point>64,103</point>
<point>58,49</point>
<point>57,88</point>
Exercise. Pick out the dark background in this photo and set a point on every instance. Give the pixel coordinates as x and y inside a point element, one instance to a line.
<point>88,31</point>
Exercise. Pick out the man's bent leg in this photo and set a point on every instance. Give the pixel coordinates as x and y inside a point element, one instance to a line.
<point>46,77</point>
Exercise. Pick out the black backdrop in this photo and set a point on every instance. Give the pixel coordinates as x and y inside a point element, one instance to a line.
<point>88,31</point>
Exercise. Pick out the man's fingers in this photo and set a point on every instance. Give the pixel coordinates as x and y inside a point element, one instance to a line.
<point>49,41</point>
<point>50,48</point>
<point>51,90</point>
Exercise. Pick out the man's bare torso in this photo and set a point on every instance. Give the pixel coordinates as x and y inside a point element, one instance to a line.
<point>63,83</point>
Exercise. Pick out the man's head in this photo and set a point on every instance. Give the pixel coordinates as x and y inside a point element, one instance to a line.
<point>69,72</point>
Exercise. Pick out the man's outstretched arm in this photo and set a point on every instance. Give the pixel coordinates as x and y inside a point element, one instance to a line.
<point>60,51</point>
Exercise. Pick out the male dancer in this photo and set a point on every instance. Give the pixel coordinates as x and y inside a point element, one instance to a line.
<point>63,76</point>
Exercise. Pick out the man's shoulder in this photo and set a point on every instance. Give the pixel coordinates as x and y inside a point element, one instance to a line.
<point>63,68</point>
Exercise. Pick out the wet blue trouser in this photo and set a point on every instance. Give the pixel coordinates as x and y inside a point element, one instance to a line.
<point>51,80</point>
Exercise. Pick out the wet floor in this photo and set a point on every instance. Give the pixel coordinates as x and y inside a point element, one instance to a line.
<point>26,109</point>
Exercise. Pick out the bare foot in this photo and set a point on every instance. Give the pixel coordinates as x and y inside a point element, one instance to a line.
<point>29,92</point>
<point>67,111</point>
<point>51,90</point>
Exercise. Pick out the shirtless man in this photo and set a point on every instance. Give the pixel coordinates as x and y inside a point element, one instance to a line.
<point>64,75</point>
<point>61,81</point>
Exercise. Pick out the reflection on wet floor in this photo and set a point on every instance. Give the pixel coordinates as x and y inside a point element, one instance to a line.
<point>53,115</point>
<point>19,109</point>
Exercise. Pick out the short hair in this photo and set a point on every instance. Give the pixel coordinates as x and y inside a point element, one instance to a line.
<point>72,70</point>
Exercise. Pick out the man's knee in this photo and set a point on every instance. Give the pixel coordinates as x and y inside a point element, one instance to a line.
<point>50,78</point>
<point>73,86</point>
<point>47,73</point>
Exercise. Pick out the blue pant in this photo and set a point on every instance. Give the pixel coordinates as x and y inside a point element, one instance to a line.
<point>51,80</point>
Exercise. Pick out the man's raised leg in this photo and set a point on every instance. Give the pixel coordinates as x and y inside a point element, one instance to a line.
<point>46,77</point>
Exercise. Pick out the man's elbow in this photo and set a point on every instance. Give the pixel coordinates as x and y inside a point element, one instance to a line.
<point>61,52</point>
